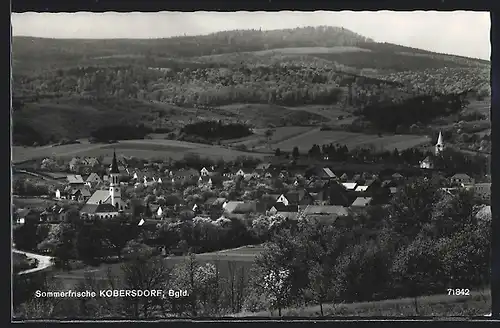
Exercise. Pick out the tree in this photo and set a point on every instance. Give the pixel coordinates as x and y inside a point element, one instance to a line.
<point>295,152</point>
<point>417,269</point>
<point>277,152</point>
<point>273,277</point>
<point>146,274</point>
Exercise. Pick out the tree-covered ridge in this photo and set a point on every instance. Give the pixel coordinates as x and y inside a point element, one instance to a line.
<point>190,46</point>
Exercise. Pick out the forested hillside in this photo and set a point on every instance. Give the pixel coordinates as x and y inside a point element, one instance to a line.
<point>138,81</point>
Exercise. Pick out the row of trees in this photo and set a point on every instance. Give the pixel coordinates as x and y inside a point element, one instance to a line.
<point>217,130</point>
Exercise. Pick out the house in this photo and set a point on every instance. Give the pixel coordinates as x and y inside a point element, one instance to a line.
<point>213,203</point>
<point>54,214</point>
<point>481,190</point>
<point>93,179</point>
<point>324,213</point>
<point>204,172</point>
<point>185,174</point>
<point>156,210</point>
<point>427,163</point>
<point>287,211</point>
<point>344,177</point>
<point>350,186</point>
<point>461,178</point>
<point>262,168</point>
<point>361,202</point>
<point>361,188</point>
<point>240,172</point>
<point>74,164</point>
<point>81,194</point>
<point>239,209</point>
<point>25,215</point>
<point>300,197</point>
<point>75,180</point>
<point>58,194</point>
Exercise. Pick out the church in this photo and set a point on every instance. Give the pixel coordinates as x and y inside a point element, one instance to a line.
<point>106,203</point>
<point>439,147</point>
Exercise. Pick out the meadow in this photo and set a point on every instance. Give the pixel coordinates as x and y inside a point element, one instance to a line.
<point>352,140</point>
<point>435,306</point>
<point>147,148</point>
<point>242,257</point>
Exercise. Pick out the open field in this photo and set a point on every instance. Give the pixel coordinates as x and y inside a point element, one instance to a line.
<point>259,138</point>
<point>351,140</point>
<point>241,257</point>
<point>478,304</point>
<point>36,202</point>
<point>148,148</point>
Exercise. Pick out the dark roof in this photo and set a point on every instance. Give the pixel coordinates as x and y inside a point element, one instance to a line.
<point>89,208</point>
<point>105,208</point>
<point>280,207</point>
<point>296,196</point>
<point>114,165</point>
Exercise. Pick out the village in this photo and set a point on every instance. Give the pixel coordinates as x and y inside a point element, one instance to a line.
<point>292,189</point>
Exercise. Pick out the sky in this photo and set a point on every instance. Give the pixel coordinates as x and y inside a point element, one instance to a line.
<point>463,33</point>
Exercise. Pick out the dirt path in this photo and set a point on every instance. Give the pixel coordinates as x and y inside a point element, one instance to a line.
<point>43,261</point>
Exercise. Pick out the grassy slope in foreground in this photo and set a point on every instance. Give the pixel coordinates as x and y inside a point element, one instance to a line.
<point>478,304</point>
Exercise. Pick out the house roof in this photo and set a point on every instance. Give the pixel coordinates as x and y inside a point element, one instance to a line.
<point>344,176</point>
<point>349,185</point>
<point>361,188</point>
<point>89,208</point>
<point>325,210</point>
<point>393,190</point>
<point>329,172</point>
<point>93,177</point>
<point>83,191</point>
<point>397,175</point>
<point>72,178</point>
<point>289,215</point>
<point>461,176</point>
<point>296,196</point>
<point>263,166</point>
<point>245,207</point>
<point>362,201</point>
<point>105,208</point>
<point>280,207</point>
<point>210,201</point>
<point>99,195</point>
<point>231,206</point>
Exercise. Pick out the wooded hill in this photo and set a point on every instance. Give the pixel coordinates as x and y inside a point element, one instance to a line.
<point>143,81</point>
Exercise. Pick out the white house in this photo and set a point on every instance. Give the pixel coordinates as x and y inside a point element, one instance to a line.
<point>204,172</point>
<point>282,199</point>
<point>427,163</point>
<point>58,194</point>
<point>240,172</point>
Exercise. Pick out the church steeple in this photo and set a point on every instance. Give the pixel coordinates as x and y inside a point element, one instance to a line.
<point>114,186</point>
<point>440,144</point>
<point>114,164</point>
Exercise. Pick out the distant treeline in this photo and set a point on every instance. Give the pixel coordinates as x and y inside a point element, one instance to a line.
<point>212,130</point>
<point>120,132</point>
<point>421,109</point>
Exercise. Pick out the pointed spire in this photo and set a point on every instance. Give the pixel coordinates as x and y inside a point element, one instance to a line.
<point>440,139</point>
<point>114,164</point>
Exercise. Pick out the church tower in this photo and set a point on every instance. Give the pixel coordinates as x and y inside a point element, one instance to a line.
<point>114,185</point>
<point>439,145</point>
